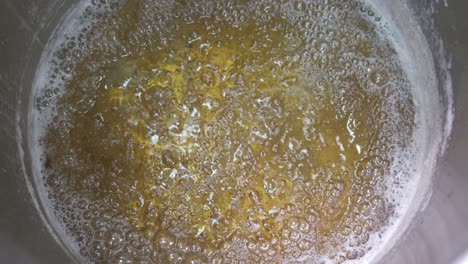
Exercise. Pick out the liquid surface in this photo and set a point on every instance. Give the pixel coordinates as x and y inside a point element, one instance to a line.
<point>225,132</point>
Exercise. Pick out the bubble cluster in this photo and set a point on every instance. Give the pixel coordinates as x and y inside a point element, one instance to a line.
<point>224,132</point>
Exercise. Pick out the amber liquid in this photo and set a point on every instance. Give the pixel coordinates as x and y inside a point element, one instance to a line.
<point>218,133</point>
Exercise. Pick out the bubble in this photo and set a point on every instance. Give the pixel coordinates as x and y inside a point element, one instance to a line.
<point>252,246</point>
<point>351,254</point>
<point>370,224</point>
<point>264,246</point>
<point>345,230</point>
<point>304,245</point>
<point>304,226</point>
<point>183,245</point>
<point>174,257</point>
<point>364,238</point>
<point>323,47</point>
<point>165,240</point>
<point>379,78</point>
<point>231,254</point>
<point>299,6</point>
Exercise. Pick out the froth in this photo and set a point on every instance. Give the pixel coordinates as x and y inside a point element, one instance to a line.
<point>432,128</point>
<point>402,186</point>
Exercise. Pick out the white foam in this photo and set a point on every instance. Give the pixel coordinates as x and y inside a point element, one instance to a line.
<point>70,24</point>
<point>433,127</point>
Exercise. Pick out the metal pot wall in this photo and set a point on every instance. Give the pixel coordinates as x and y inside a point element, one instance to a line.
<point>439,234</point>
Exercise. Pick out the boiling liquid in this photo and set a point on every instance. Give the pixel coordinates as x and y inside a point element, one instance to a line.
<point>222,132</point>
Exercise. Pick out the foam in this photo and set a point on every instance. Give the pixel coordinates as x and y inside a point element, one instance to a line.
<point>417,63</point>
<point>433,128</point>
<point>70,24</point>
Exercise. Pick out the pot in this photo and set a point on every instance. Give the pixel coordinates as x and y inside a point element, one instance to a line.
<point>438,232</point>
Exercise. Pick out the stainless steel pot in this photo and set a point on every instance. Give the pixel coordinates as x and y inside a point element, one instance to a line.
<point>438,234</point>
